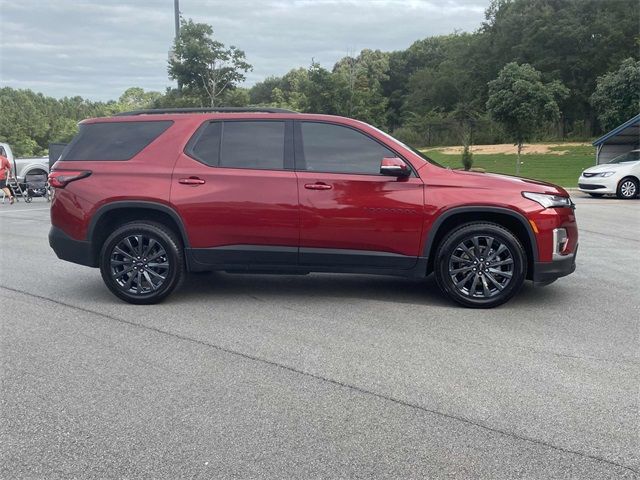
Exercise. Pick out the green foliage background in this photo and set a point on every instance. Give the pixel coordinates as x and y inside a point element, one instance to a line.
<point>433,93</point>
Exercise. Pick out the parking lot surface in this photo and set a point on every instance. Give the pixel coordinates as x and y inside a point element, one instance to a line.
<point>320,376</point>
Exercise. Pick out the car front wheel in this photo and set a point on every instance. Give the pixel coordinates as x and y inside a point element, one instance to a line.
<point>480,265</point>
<point>142,262</point>
<point>627,188</point>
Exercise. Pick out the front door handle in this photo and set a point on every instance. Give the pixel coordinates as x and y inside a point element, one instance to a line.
<point>191,181</point>
<point>317,186</point>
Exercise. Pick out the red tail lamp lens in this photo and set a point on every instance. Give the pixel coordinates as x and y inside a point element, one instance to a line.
<point>61,178</point>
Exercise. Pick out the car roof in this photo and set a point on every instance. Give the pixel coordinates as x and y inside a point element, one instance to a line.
<point>201,116</point>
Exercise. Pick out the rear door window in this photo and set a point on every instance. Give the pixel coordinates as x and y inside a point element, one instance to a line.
<point>113,140</point>
<point>241,144</point>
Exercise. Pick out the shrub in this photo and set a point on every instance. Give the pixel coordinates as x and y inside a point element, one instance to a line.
<point>467,158</point>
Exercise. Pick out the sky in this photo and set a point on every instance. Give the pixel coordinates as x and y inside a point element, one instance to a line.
<point>99,48</point>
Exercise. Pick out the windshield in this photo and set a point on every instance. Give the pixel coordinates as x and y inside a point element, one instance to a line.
<point>632,156</point>
<point>414,150</point>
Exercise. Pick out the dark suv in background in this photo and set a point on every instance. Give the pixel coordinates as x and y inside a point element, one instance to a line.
<point>149,195</point>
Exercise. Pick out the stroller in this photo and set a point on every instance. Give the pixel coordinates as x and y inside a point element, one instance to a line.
<point>36,186</point>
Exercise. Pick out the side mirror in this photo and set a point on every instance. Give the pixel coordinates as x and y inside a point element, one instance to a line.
<point>394,167</point>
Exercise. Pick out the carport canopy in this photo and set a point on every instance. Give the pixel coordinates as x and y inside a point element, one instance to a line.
<point>620,140</point>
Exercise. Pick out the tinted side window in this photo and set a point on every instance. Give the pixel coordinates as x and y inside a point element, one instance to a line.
<point>249,144</point>
<point>337,149</point>
<point>113,140</point>
<point>207,147</point>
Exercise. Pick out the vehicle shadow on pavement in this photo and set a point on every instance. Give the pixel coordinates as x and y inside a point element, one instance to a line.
<point>363,287</point>
<point>317,285</point>
<point>554,294</point>
<point>214,286</point>
<point>330,286</point>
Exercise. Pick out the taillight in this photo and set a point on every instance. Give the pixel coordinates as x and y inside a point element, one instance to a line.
<point>60,178</point>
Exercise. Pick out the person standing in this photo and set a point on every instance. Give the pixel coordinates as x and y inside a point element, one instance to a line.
<point>5,173</point>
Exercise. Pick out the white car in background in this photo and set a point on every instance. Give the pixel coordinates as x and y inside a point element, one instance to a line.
<point>620,176</point>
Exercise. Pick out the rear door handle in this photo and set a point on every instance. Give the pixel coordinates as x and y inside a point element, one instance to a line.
<point>317,186</point>
<point>191,181</point>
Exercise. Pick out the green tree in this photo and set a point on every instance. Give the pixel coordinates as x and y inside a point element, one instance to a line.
<point>237,97</point>
<point>30,121</point>
<point>573,41</point>
<point>174,98</point>
<point>323,91</point>
<point>422,54</point>
<point>617,95</point>
<point>425,125</point>
<point>294,87</point>
<point>465,117</point>
<point>136,98</point>
<point>361,78</point>
<point>204,66</point>
<point>522,103</point>
<point>467,158</point>
<point>261,92</point>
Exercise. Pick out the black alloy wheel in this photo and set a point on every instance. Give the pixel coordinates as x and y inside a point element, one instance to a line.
<point>480,265</point>
<point>142,263</point>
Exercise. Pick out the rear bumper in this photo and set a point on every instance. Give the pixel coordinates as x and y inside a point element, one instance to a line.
<point>71,250</point>
<point>547,272</point>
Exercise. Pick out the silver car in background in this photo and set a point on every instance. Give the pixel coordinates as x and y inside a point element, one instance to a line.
<point>21,167</point>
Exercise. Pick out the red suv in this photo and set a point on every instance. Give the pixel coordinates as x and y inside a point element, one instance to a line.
<point>149,195</point>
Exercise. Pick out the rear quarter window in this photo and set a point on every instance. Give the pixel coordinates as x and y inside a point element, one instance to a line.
<point>113,140</point>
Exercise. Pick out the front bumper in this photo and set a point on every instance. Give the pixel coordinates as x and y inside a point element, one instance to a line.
<point>546,272</point>
<point>71,250</point>
<point>597,184</point>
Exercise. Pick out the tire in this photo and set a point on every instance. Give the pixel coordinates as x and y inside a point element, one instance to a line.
<point>129,276</point>
<point>492,283</point>
<point>627,188</point>
<point>597,195</point>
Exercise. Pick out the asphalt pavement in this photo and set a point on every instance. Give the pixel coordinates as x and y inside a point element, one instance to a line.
<point>320,376</point>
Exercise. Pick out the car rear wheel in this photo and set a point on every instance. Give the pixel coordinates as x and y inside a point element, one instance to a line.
<point>142,262</point>
<point>480,265</point>
<point>627,188</point>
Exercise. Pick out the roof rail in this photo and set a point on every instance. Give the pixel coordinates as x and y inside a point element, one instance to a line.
<point>159,111</point>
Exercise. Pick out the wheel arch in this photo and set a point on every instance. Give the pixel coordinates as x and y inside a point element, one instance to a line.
<point>509,219</point>
<point>631,176</point>
<point>35,168</point>
<point>110,216</point>
<point>29,169</point>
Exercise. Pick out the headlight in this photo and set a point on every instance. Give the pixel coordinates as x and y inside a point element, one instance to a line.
<point>548,200</point>
<point>603,174</point>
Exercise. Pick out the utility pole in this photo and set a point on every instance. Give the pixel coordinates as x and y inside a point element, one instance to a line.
<point>176,13</point>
